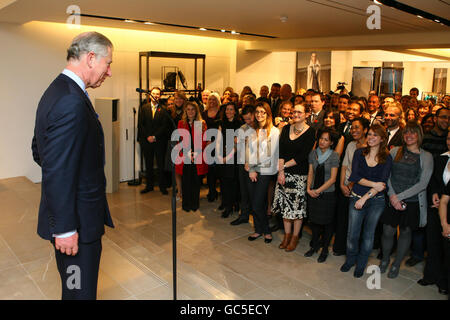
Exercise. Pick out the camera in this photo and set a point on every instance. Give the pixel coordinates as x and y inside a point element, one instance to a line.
<point>285,119</point>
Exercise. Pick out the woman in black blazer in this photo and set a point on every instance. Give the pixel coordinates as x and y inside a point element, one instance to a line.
<point>434,267</point>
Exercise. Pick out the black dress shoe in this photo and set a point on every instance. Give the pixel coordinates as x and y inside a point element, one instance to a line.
<point>236,207</point>
<point>442,291</point>
<point>310,252</point>
<point>164,191</point>
<point>250,238</point>
<point>211,198</point>
<point>146,190</point>
<point>337,254</point>
<point>226,213</point>
<point>424,282</point>
<point>238,221</point>
<point>221,207</point>
<point>323,256</point>
<point>412,261</point>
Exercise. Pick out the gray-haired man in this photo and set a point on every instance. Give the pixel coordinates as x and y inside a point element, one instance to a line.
<point>68,144</point>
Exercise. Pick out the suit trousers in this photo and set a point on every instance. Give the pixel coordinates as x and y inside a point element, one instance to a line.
<point>258,196</point>
<point>79,273</point>
<point>244,180</point>
<point>151,150</point>
<point>190,187</point>
<point>340,239</point>
<point>434,266</point>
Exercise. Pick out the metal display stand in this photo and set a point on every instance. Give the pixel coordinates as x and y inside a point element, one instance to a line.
<point>197,90</point>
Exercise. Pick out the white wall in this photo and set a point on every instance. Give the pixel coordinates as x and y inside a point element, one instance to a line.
<point>34,54</point>
<point>258,68</point>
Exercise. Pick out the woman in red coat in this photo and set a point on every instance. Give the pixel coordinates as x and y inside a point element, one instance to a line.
<point>192,170</point>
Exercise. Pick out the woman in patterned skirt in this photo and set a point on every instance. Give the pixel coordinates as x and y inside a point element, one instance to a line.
<point>296,142</point>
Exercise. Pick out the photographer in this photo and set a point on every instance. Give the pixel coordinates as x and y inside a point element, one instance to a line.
<point>284,117</point>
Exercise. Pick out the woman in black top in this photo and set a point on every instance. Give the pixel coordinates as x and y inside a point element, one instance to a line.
<point>296,142</point>
<point>444,215</point>
<point>433,272</point>
<point>211,117</point>
<point>226,154</point>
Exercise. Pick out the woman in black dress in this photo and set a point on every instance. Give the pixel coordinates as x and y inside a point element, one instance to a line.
<point>211,117</point>
<point>226,154</point>
<point>296,142</point>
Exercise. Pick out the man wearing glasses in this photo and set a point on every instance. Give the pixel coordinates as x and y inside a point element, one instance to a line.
<point>436,140</point>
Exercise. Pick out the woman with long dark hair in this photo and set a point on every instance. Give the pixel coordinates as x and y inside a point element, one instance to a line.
<point>226,153</point>
<point>262,167</point>
<point>371,167</point>
<point>322,172</point>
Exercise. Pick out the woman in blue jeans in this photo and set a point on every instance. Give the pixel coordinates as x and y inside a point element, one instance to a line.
<point>371,167</point>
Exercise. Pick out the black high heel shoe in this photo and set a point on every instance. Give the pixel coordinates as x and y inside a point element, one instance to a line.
<point>250,238</point>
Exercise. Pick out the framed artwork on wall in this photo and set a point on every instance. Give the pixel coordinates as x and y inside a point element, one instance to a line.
<point>314,70</point>
<point>440,80</point>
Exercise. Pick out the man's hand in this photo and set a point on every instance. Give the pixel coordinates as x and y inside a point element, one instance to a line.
<point>151,139</point>
<point>253,176</point>
<point>446,231</point>
<point>67,245</point>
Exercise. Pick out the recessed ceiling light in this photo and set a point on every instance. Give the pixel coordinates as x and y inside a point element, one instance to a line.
<point>234,32</point>
<point>222,30</point>
<point>148,23</point>
<point>203,29</point>
<point>130,21</point>
<point>377,2</point>
<point>437,20</point>
<point>420,17</point>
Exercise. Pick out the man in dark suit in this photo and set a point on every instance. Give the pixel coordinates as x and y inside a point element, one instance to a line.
<point>274,98</point>
<point>315,120</point>
<point>153,134</point>
<point>374,109</point>
<point>68,144</point>
<point>392,119</point>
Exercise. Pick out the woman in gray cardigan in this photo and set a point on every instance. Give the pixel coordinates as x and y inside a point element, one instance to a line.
<point>407,189</point>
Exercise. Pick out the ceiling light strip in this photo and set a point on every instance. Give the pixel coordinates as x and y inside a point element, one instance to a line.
<point>174,25</point>
<point>417,12</point>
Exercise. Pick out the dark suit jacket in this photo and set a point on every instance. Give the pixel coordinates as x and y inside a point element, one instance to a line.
<point>274,107</point>
<point>68,144</point>
<point>436,182</point>
<point>318,123</point>
<point>159,126</point>
<point>397,139</point>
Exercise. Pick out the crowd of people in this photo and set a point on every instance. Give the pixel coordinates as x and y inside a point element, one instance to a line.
<point>370,172</point>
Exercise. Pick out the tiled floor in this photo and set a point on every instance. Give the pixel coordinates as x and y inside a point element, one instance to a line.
<point>215,259</point>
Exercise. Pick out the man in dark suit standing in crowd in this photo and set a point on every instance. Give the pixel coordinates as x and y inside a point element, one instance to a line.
<point>315,120</point>
<point>153,135</point>
<point>392,122</point>
<point>274,98</point>
<point>68,144</point>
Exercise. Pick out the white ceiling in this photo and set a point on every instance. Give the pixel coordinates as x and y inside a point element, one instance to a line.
<point>306,18</point>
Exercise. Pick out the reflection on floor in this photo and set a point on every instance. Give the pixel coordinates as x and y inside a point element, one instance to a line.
<point>215,259</point>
